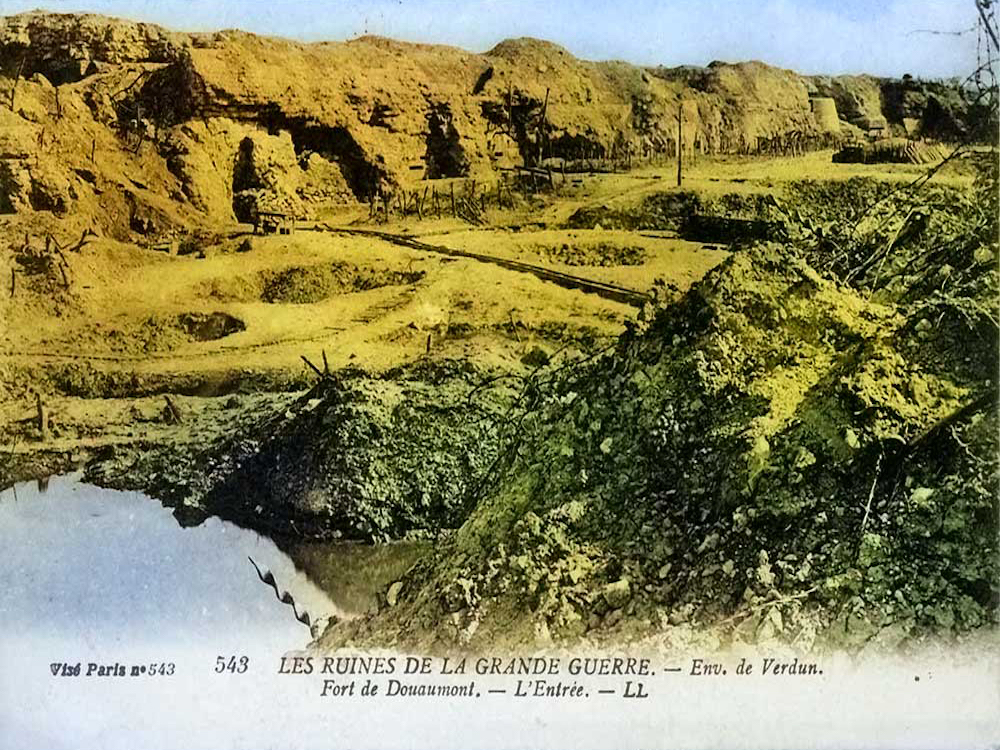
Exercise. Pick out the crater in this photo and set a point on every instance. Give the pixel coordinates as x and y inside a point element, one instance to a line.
<point>309,284</point>
<point>209,326</point>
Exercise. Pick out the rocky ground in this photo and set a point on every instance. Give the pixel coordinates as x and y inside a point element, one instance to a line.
<point>778,455</point>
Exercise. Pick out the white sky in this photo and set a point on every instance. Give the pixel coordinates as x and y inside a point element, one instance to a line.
<point>883,37</point>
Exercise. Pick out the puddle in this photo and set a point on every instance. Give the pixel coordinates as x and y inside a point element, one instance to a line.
<point>89,565</point>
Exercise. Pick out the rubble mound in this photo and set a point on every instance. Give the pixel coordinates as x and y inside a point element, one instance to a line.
<point>67,47</point>
<point>305,285</point>
<point>210,326</point>
<point>363,458</point>
<point>891,151</point>
<point>778,455</point>
<point>594,254</point>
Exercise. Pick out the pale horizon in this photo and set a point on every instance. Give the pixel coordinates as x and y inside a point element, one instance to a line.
<point>924,38</point>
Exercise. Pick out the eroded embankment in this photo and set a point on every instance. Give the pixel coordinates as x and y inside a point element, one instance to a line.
<point>138,133</point>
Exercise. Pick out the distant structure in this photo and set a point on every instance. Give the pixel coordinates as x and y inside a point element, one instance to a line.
<point>875,127</point>
<point>273,222</point>
<point>912,126</point>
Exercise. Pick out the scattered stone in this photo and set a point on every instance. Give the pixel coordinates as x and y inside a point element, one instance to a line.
<point>617,593</point>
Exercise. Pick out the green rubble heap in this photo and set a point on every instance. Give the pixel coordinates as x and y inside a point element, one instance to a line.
<point>779,454</point>
<point>364,457</point>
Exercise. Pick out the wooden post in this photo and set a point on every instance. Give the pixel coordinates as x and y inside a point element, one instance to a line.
<point>539,131</point>
<point>510,111</point>
<point>513,326</point>
<point>43,417</point>
<point>453,213</point>
<point>17,77</point>
<point>680,140</point>
<point>171,412</point>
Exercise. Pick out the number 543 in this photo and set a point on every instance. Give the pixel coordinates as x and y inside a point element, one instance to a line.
<point>231,664</point>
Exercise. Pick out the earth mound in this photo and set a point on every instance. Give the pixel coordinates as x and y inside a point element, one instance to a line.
<point>779,455</point>
<point>365,458</point>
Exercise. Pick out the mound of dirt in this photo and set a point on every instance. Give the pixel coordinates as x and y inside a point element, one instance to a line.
<point>364,458</point>
<point>729,218</point>
<point>666,210</point>
<point>594,254</point>
<point>776,456</point>
<point>154,333</point>
<point>67,47</point>
<point>891,151</point>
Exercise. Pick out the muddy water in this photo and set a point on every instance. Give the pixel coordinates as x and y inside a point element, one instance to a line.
<point>82,564</point>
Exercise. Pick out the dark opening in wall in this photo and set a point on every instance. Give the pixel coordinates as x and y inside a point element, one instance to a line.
<point>335,144</point>
<point>445,156</point>
<point>58,65</point>
<point>578,146</point>
<point>168,96</point>
<point>481,82</point>
<point>940,122</point>
<point>8,186</point>
<point>245,180</point>
<point>519,117</point>
<point>245,175</point>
